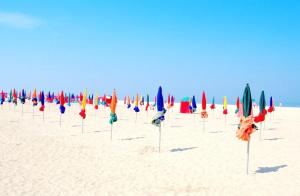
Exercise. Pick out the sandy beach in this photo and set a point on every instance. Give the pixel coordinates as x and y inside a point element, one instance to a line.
<point>42,158</point>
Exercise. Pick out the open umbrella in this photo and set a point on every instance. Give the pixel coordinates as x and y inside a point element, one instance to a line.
<point>246,126</point>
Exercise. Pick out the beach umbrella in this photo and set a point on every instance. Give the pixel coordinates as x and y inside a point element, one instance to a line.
<point>213,106</point>
<point>83,105</point>
<point>237,105</point>
<point>271,107</point>
<point>2,98</point>
<point>142,101</point>
<point>246,126</point>
<point>161,111</point>
<point>10,97</point>
<point>136,106</point>
<point>169,101</point>
<point>128,102</point>
<point>262,112</point>
<point>147,104</point>
<point>96,102</point>
<point>204,113</point>
<point>225,112</point>
<point>61,106</point>
<point>34,98</point>
<point>15,97</point>
<point>42,100</point>
<point>172,101</point>
<point>154,103</point>
<point>113,115</point>
<point>194,104</point>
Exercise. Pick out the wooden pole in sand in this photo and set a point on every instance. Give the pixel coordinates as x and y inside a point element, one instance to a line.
<point>203,128</point>
<point>260,130</point>
<point>81,125</point>
<point>22,110</point>
<point>43,116</point>
<point>135,117</point>
<point>60,120</point>
<point>111,129</point>
<point>159,138</point>
<point>248,150</point>
<point>32,112</point>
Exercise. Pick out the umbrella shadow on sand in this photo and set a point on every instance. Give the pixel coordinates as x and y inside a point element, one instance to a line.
<point>270,169</point>
<point>131,138</point>
<point>182,149</point>
<point>274,139</point>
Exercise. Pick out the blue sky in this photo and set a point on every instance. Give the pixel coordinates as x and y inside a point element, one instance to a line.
<point>186,46</point>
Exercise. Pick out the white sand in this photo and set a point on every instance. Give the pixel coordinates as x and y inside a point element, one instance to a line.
<point>39,158</point>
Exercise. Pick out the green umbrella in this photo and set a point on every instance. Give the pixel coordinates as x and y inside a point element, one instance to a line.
<point>247,101</point>
<point>262,102</point>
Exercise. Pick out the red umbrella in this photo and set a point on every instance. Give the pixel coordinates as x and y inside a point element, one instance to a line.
<point>204,113</point>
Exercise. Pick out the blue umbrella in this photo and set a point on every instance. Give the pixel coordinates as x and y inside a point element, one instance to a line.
<point>159,117</point>
<point>194,104</point>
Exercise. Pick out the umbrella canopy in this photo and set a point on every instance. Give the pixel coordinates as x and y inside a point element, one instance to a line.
<point>34,98</point>
<point>83,104</point>
<point>62,102</point>
<point>203,101</point>
<point>159,117</point>
<point>147,102</point>
<point>247,101</point>
<point>246,126</point>
<point>160,100</point>
<point>212,106</point>
<point>194,104</point>
<point>136,103</point>
<point>262,102</point>
<point>113,106</point>
<point>225,112</point>
<point>42,100</point>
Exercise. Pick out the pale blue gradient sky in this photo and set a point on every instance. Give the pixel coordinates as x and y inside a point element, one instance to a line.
<point>186,46</point>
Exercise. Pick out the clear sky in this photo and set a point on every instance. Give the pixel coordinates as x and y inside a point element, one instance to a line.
<point>186,46</point>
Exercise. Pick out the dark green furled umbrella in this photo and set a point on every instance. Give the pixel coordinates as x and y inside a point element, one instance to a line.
<point>247,101</point>
<point>247,108</point>
<point>262,102</point>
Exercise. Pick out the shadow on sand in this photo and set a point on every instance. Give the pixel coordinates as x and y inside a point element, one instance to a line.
<point>269,169</point>
<point>182,149</point>
<point>274,139</point>
<point>131,138</point>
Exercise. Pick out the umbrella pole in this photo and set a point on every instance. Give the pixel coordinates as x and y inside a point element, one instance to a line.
<point>60,120</point>
<point>260,130</point>
<point>159,138</point>
<point>135,117</point>
<point>248,149</point>
<point>82,125</point>
<point>225,120</point>
<point>203,125</point>
<point>22,109</point>
<point>43,116</point>
<point>111,129</point>
<point>32,112</point>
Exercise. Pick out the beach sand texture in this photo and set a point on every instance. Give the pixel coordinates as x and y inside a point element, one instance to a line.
<point>42,158</point>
